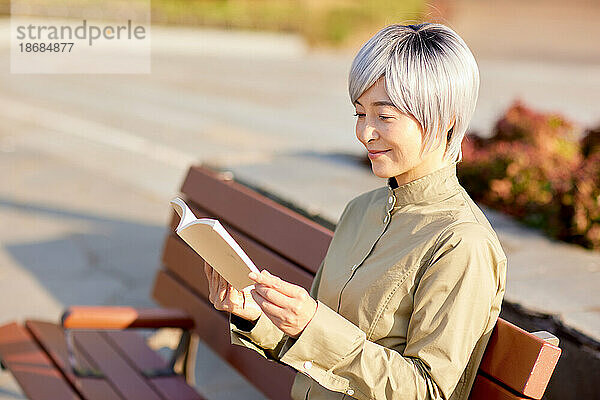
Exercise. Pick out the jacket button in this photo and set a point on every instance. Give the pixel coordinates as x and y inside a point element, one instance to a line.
<point>349,392</point>
<point>307,365</point>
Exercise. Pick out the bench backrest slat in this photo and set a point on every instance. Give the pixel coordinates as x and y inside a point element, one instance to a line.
<point>292,246</point>
<point>520,360</point>
<point>486,389</point>
<point>286,232</point>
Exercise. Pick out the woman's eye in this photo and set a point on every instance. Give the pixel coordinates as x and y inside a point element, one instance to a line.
<point>383,117</point>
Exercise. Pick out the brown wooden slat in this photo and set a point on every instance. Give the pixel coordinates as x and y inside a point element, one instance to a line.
<point>31,366</point>
<point>134,348</point>
<point>183,261</point>
<point>171,388</point>
<point>519,359</point>
<point>51,337</point>
<point>274,380</point>
<point>124,378</point>
<point>301,240</point>
<point>485,389</point>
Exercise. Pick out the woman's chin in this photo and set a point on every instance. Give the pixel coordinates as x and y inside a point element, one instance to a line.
<point>380,172</point>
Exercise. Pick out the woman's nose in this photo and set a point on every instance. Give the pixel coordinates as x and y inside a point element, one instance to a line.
<point>366,133</point>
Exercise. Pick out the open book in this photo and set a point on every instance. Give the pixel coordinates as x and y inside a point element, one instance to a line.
<point>215,245</point>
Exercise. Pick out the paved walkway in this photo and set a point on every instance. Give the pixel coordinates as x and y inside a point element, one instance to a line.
<point>89,163</point>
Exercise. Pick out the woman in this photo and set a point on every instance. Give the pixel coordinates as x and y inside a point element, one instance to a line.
<point>407,295</point>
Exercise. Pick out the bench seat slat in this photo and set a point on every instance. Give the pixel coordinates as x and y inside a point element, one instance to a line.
<point>126,380</point>
<point>520,360</point>
<point>304,241</point>
<point>52,338</point>
<point>273,379</point>
<point>31,366</point>
<point>175,388</point>
<point>134,348</point>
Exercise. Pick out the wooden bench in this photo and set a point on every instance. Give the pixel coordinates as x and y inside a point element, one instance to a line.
<point>90,355</point>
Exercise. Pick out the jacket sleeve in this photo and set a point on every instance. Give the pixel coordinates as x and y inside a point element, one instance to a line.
<point>263,336</point>
<point>452,305</point>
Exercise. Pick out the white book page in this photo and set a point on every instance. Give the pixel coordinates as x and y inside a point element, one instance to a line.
<point>185,214</point>
<point>231,241</point>
<point>208,237</point>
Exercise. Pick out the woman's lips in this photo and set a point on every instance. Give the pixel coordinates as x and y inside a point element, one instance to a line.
<point>376,154</point>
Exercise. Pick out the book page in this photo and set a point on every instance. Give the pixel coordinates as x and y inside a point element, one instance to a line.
<point>186,215</point>
<point>219,254</point>
<point>215,245</point>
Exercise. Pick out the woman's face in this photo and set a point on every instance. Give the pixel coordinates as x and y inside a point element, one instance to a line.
<point>392,139</point>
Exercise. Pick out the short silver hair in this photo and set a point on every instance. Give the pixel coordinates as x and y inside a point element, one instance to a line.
<point>430,73</point>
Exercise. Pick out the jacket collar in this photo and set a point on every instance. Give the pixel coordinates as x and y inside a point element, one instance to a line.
<point>426,188</point>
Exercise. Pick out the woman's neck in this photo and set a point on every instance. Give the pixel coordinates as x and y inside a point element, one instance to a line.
<point>429,165</point>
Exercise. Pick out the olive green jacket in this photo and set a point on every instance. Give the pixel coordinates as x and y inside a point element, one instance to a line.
<point>407,296</point>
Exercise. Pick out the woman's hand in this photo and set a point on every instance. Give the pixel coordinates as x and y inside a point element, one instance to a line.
<point>227,298</point>
<point>288,306</point>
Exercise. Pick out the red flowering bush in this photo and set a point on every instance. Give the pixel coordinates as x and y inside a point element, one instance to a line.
<point>586,202</point>
<point>535,168</point>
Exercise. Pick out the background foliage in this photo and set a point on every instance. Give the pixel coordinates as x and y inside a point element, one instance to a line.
<point>536,168</point>
<point>320,22</point>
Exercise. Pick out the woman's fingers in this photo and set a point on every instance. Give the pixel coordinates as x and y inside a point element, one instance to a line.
<point>227,302</point>
<point>274,296</point>
<point>288,289</point>
<point>222,288</point>
<point>214,282</point>
<point>288,306</point>
<point>272,310</point>
<point>225,297</point>
<point>207,271</point>
<point>221,293</point>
